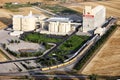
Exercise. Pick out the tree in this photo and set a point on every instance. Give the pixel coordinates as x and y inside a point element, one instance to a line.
<point>4,45</point>
<point>93,77</point>
<point>15,41</point>
<point>12,41</point>
<point>56,78</point>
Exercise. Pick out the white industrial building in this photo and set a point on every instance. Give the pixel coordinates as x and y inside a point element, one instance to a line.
<point>24,23</point>
<point>60,26</point>
<point>54,25</point>
<point>17,22</point>
<point>93,18</point>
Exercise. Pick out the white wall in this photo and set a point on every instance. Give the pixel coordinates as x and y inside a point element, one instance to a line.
<point>28,23</point>
<point>17,23</point>
<point>91,23</point>
<point>59,27</point>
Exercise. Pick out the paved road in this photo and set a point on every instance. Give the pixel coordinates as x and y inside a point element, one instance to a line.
<point>40,75</point>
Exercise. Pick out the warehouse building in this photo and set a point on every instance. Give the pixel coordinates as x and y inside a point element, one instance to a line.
<point>93,18</point>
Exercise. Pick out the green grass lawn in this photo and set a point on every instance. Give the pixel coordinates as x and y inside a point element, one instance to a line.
<point>69,47</point>
<point>73,43</point>
<point>38,38</point>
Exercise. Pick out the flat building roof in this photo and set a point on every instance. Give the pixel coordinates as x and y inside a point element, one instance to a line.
<point>59,19</point>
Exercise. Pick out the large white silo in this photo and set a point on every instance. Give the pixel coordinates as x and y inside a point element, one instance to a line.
<point>17,22</point>
<point>28,23</point>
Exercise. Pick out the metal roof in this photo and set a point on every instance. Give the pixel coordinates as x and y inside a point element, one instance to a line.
<point>58,19</point>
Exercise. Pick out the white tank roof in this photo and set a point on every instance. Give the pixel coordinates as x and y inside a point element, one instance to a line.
<point>17,16</point>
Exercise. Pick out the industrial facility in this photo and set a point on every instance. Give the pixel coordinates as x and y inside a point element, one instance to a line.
<point>93,18</point>
<point>54,25</point>
<point>60,26</point>
<point>24,23</point>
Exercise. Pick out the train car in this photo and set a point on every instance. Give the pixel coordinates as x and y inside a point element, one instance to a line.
<point>45,69</point>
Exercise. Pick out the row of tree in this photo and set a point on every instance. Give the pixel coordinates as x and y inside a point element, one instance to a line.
<point>94,48</point>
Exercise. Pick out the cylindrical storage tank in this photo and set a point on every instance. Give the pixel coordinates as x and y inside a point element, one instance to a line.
<point>51,27</point>
<point>68,27</point>
<point>28,23</point>
<point>62,28</point>
<point>17,22</point>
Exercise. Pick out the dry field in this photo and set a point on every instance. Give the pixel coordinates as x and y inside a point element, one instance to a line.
<point>20,1</point>
<point>25,1</point>
<point>112,6</point>
<point>107,60</point>
<point>6,15</point>
<point>26,10</point>
<point>2,57</point>
<point>5,18</point>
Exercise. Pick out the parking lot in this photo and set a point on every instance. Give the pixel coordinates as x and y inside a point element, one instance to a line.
<point>6,38</point>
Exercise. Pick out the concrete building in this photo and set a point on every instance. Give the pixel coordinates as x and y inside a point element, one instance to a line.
<point>100,31</point>
<point>54,25</point>
<point>25,23</point>
<point>17,22</point>
<point>93,18</point>
<point>60,26</point>
<point>28,23</point>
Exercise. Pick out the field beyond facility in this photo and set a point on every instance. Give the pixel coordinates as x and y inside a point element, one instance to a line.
<point>107,60</point>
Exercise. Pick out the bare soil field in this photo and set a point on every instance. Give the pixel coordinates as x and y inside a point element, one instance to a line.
<point>26,10</point>
<point>107,60</point>
<point>19,1</point>
<point>2,2</point>
<point>112,6</point>
<point>5,18</point>
<point>2,57</point>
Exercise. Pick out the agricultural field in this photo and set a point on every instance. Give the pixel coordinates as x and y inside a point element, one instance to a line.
<point>26,11</point>
<point>2,57</point>
<point>19,1</point>
<point>5,18</point>
<point>107,60</point>
<point>6,15</point>
<point>112,6</point>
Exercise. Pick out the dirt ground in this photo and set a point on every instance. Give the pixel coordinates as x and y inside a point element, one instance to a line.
<point>107,60</point>
<point>112,6</point>
<point>26,11</point>
<point>6,15</point>
<point>2,57</point>
<point>19,1</point>
<point>5,18</point>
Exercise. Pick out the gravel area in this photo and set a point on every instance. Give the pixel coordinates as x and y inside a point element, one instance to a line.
<point>6,38</point>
